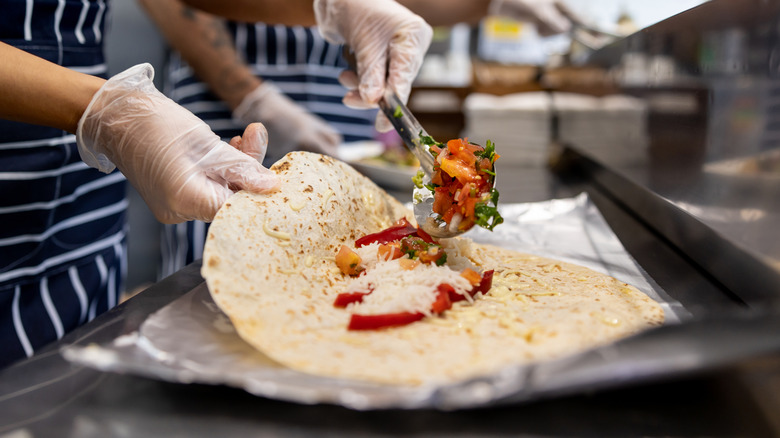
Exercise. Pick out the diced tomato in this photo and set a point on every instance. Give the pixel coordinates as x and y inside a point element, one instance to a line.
<point>373,322</point>
<point>408,264</point>
<point>442,200</point>
<point>437,178</point>
<point>431,255</point>
<point>463,150</point>
<point>389,251</point>
<point>419,249</point>
<point>459,170</point>
<point>465,192</point>
<point>468,207</point>
<point>472,276</point>
<point>401,229</point>
<point>346,298</point>
<point>447,216</point>
<point>485,164</point>
<point>443,301</point>
<point>348,261</point>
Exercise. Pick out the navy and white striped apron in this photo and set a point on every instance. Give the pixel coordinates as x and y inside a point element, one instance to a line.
<point>62,224</point>
<point>298,61</point>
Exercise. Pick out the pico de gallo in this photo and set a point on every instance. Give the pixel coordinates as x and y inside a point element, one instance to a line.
<point>411,246</point>
<point>462,183</point>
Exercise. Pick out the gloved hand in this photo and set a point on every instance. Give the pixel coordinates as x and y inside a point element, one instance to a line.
<point>290,126</point>
<point>181,169</point>
<point>389,42</point>
<point>545,14</point>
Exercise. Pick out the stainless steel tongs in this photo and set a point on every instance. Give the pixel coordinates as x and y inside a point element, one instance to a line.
<point>410,131</point>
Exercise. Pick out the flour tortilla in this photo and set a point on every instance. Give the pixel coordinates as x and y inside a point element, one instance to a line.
<point>279,293</point>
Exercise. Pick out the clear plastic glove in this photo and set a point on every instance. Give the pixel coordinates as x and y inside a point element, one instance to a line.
<point>181,169</point>
<point>389,42</point>
<point>290,126</point>
<point>545,14</point>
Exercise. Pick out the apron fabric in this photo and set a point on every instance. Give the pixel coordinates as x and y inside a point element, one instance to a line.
<point>62,223</point>
<point>298,61</point>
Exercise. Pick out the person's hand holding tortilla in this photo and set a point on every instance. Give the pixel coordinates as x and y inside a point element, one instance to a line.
<point>179,166</point>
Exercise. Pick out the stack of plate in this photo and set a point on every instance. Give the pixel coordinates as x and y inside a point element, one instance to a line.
<point>613,128</point>
<point>519,125</point>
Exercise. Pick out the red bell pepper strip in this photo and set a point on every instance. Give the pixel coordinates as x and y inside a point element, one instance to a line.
<point>346,298</point>
<point>443,301</point>
<point>424,236</point>
<point>402,229</point>
<point>485,284</point>
<point>373,322</point>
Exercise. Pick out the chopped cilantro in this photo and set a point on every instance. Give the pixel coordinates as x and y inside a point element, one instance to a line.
<point>398,113</point>
<point>489,152</point>
<point>428,140</point>
<point>441,260</point>
<point>487,216</point>
<point>431,187</point>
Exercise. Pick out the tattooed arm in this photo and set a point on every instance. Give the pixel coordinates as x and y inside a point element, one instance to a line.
<point>206,45</point>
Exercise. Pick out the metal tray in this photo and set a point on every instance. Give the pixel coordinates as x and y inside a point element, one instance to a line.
<point>191,341</point>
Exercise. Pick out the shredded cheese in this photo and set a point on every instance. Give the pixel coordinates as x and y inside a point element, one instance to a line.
<point>328,194</point>
<point>297,206</point>
<point>395,290</point>
<point>275,234</point>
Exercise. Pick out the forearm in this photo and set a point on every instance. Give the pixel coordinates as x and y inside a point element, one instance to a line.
<point>448,12</point>
<point>40,92</point>
<point>288,12</point>
<point>204,42</point>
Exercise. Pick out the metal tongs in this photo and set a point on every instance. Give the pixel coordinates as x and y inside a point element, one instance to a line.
<point>410,131</point>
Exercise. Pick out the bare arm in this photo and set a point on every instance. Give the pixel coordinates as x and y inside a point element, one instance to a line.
<point>204,42</point>
<point>288,12</point>
<point>292,12</point>
<point>448,12</point>
<point>40,92</point>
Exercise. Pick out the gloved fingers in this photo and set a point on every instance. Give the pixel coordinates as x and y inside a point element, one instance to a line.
<point>349,79</point>
<point>372,73</point>
<point>228,166</point>
<point>203,197</point>
<point>406,57</point>
<point>354,100</point>
<point>405,62</point>
<point>254,142</point>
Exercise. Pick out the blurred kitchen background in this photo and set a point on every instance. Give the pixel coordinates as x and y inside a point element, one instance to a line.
<point>500,80</point>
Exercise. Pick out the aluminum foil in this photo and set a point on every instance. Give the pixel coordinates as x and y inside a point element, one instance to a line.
<point>191,340</point>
